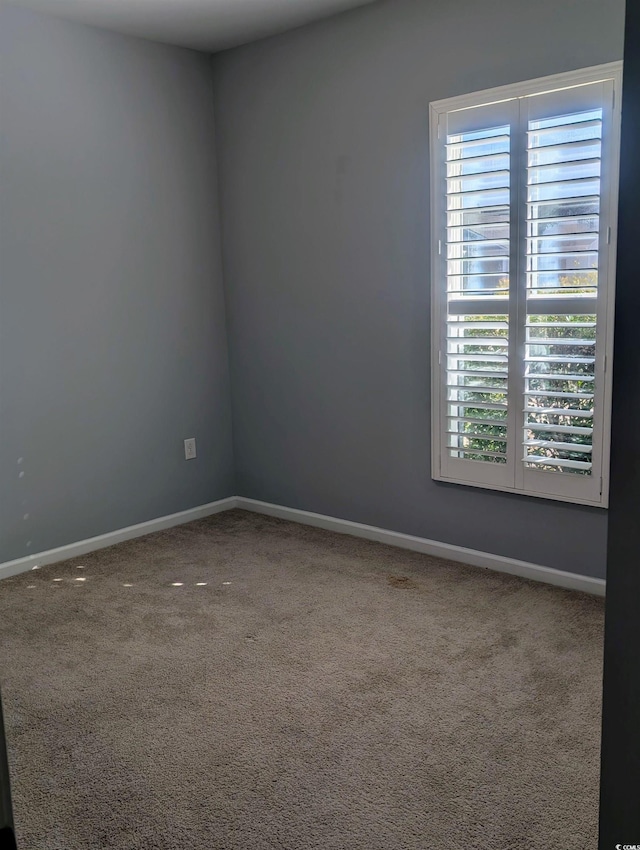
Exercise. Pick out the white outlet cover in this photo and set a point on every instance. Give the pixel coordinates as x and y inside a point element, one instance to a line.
<point>190,448</point>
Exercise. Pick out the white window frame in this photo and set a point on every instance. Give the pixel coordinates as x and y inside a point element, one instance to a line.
<point>573,492</point>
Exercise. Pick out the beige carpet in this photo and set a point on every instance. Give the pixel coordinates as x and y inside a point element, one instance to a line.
<point>299,689</point>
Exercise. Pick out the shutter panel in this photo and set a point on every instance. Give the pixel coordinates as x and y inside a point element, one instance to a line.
<point>565,209</point>
<point>477,220</point>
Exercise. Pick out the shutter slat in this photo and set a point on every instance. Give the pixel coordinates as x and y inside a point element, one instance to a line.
<point>475,243</point>
<point>498,341</point>
<point>544,175</point>
<point>562,237</point>
<point>482,161</point>
<point>479,358</point>
<point>562,219</point>
<point>559,429</point>
<point>554,127</point>
<point>549,461</point>
<point>549,166</point>
<point>456,445</point>
<point>477,374</point>
<point>466,450</point>
<point>565,447</point>
<point>476,175</point>
<point>582,199</point>
<point>495,230</point>
<point>475,143</point>
<point>559,411</point>
<point>542,376</point>
<point>478,435</point>
<point>481,405</point>
<point>480,325</point>
<point>487,293</point>
<point>557,394</point>
<point>552,324</point>
<point>484,390</point>
<point>549,358</point>
<point>561,341</point>
<point>560,148</point>
<point>501,423</point>
<point>476,275</point>
<point>556,255</point>
<point>491,208</point>
<point>491,192</point>
<point>572,182</point>
<point>581,131</point>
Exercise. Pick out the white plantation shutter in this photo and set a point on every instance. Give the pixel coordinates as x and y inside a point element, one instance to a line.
<point>523,206</point>
<point>476,261</point>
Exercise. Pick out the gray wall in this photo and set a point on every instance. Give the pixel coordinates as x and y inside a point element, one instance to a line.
<point>323,157</point>
<point>113,343</point>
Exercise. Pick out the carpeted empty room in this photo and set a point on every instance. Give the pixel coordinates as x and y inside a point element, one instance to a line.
<point>246,682</point>
<point>307,504</point>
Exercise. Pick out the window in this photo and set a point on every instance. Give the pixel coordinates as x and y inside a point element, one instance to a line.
<point>524,201</point>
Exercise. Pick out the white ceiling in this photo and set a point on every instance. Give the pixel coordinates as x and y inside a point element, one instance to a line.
<point>203,24</point>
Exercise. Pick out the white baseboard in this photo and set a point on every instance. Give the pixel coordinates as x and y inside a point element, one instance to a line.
<point>82,547</point>
<point>498,563</point>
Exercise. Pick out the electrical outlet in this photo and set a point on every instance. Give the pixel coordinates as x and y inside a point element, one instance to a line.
<point>190,448</point>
